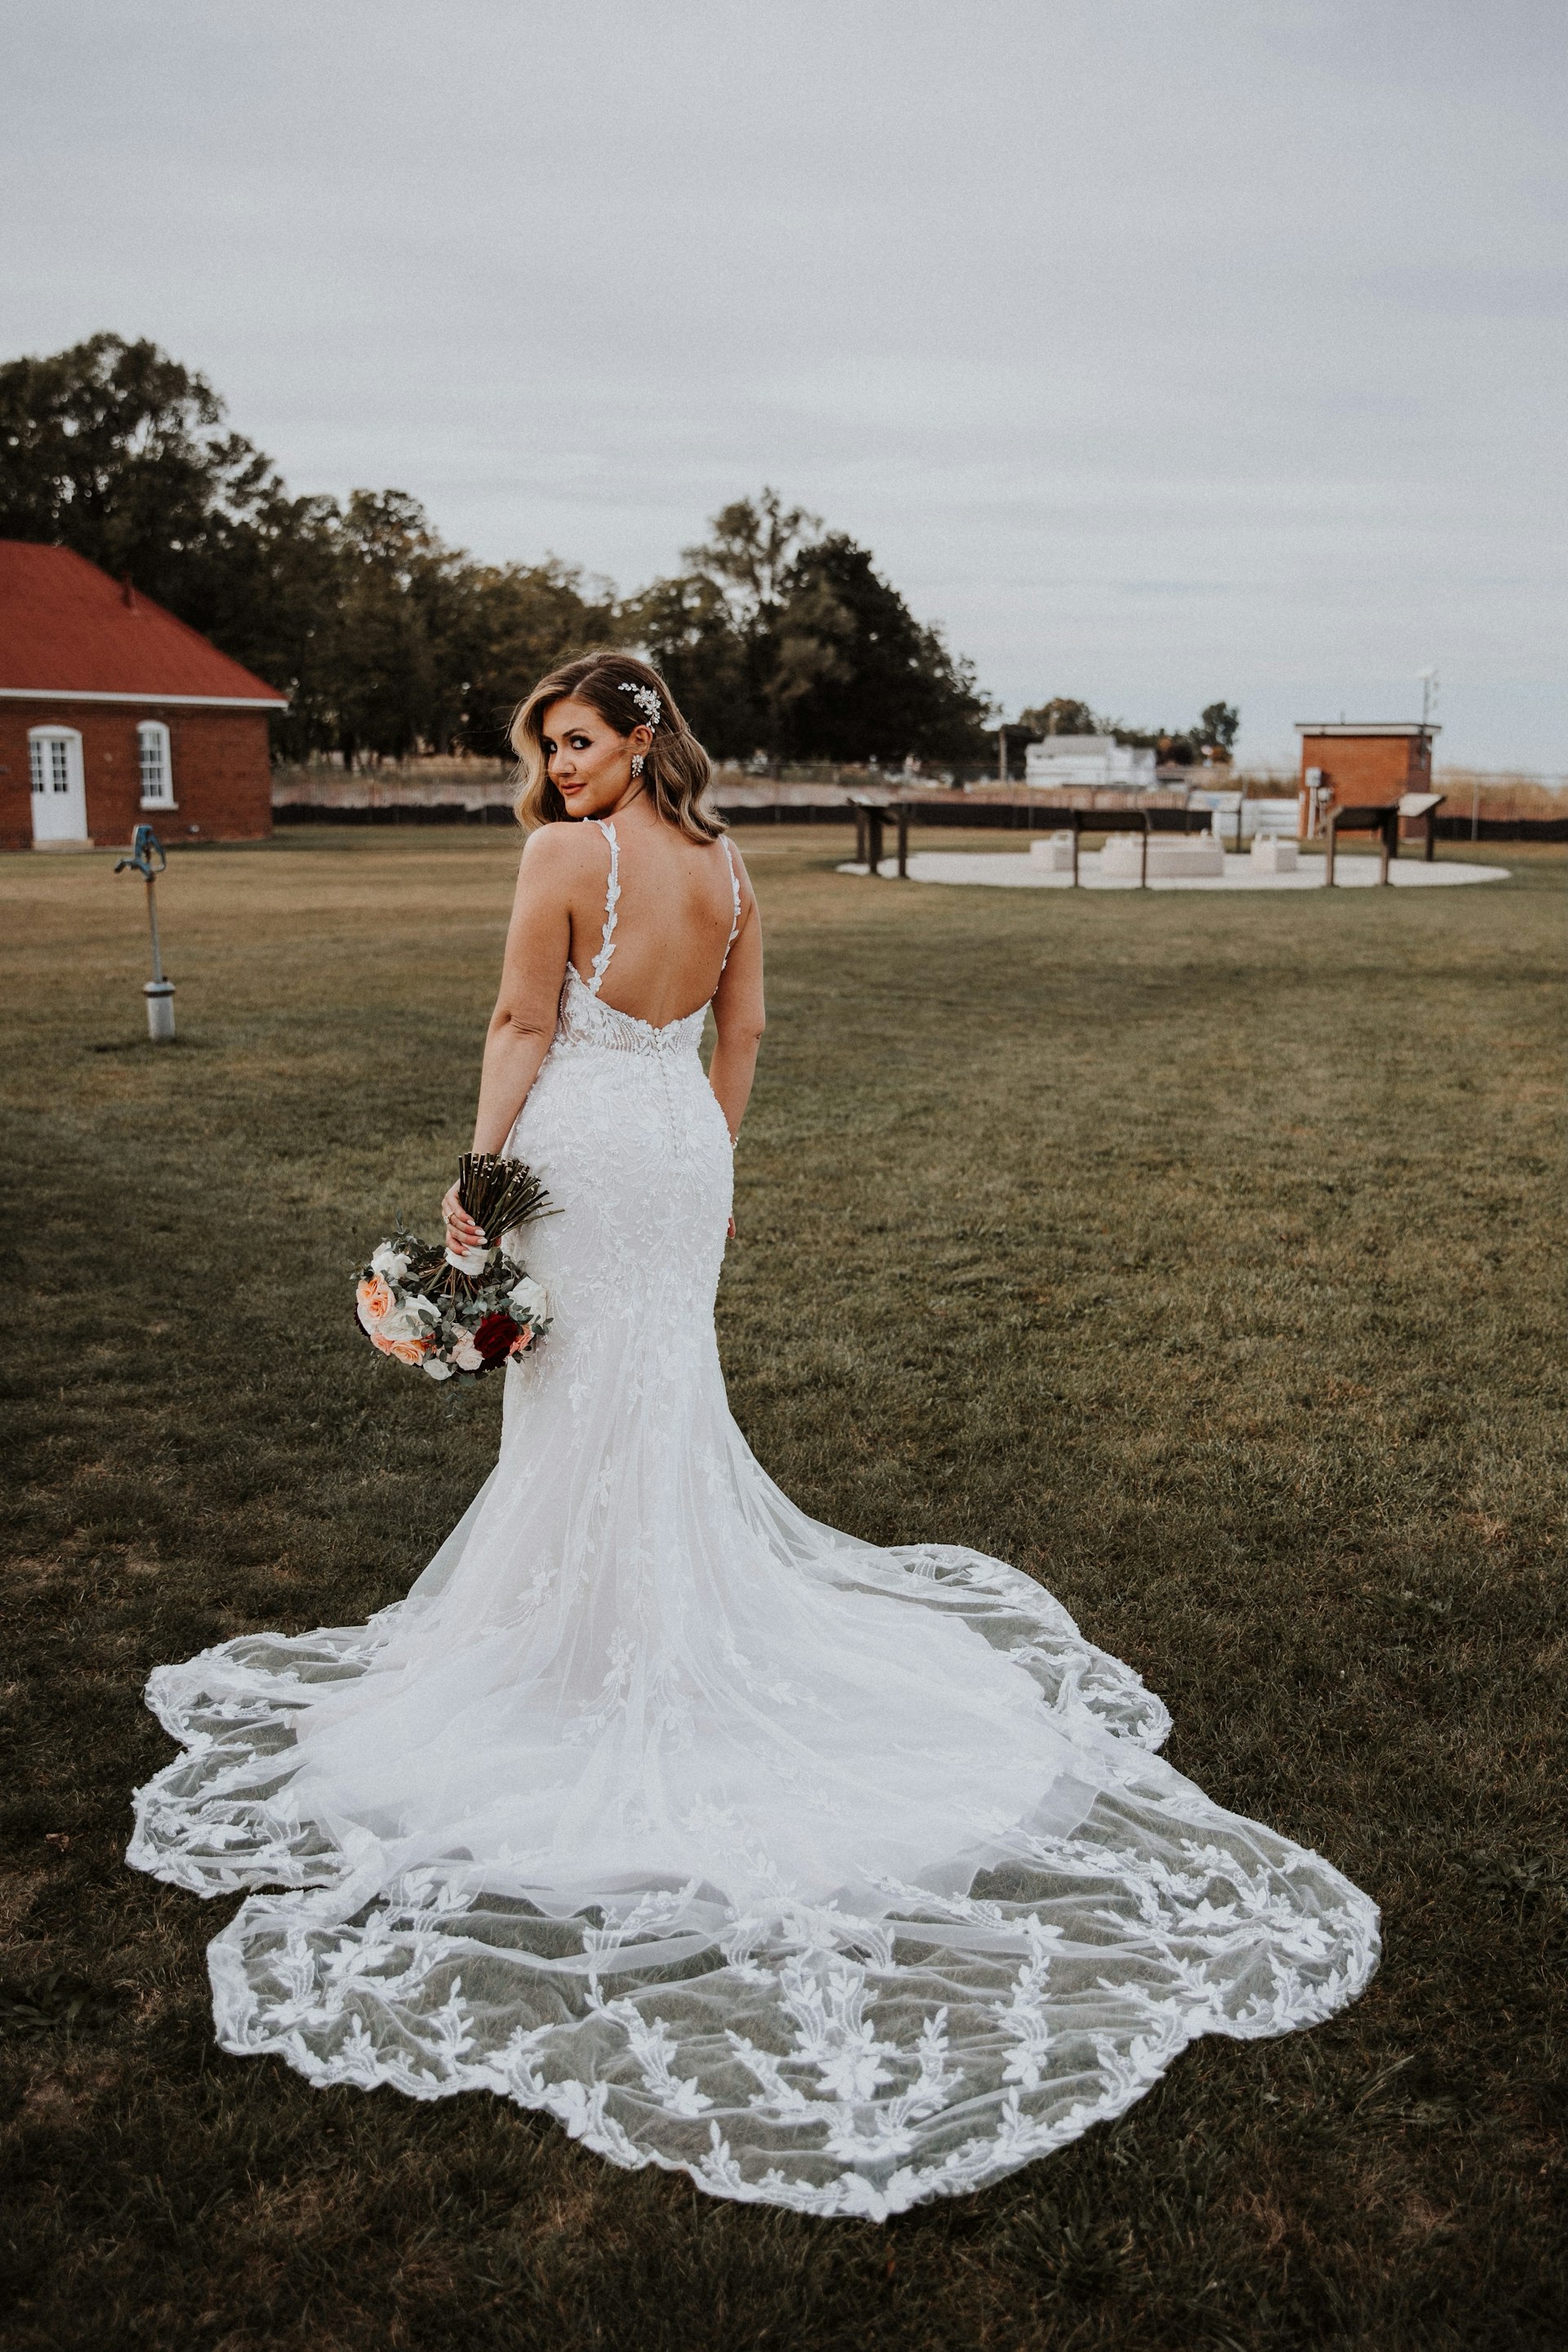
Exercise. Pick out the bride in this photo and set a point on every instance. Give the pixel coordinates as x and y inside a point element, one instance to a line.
<point>837,1878</point>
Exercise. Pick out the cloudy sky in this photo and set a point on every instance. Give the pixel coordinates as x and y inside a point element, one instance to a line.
<point>1160,349</point>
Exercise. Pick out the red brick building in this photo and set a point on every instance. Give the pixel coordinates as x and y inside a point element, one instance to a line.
<point>1369,766</point>
<point>113,714</point>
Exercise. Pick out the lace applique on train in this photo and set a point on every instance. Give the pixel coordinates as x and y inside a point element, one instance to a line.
<point>836,1876</point>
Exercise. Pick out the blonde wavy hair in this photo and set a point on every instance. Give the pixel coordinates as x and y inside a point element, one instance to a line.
<point>676,770</point>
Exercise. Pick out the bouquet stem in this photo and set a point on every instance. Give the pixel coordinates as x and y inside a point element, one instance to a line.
<point>498,1193</point>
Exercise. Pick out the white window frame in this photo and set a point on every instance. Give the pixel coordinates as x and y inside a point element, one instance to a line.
<point>153,736</point>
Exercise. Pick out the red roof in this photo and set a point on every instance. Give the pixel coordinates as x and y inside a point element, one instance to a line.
<point>67,628</point>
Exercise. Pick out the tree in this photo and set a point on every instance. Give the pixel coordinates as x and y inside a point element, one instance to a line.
<point>867,680</point>
<point>734,669</point>
<point>688,629</point>
<point>1061,716</point>
<point>1217,725</point>
<point>777,637</point>
<point>386,690</point>
<point>115,449</point>
<point>386,640</point>
<point>278,608</point>
<point>519,621</point>
<point>753,545</point>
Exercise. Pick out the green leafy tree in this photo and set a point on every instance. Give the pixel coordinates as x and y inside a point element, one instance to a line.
<point>517,621</point>
<point>688,629</point>
<point>117,450</point>
<point>778,637</point>
<point>750,553</point>
<point>385,671</point>
<point>113,448</point>
<point>279,610</point>
<point>388,641</point>
<point>1217,725</point>
<point>1061,716</point>
<point>871,681</point>
<point>733,669</point>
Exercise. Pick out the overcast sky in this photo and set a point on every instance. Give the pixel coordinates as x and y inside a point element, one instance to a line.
<point>1160,349</point>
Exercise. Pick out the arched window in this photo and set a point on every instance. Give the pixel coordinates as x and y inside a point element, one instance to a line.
<point>157,774</point>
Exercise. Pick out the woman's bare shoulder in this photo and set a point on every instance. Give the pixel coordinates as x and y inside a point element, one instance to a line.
<point>558,856</point>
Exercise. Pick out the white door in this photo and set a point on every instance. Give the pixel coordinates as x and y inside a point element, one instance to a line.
<point>59,797</point>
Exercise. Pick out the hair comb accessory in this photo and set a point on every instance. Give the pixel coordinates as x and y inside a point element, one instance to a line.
<point>647,701</point>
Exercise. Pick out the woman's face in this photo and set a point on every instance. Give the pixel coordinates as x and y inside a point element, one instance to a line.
<point>588,763</point>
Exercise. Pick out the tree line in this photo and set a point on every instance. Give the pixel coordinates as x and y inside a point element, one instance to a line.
<point>778,636</point>
<point>1214,737</point>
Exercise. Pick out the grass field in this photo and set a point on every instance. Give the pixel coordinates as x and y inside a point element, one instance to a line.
<point>1203,1256</point>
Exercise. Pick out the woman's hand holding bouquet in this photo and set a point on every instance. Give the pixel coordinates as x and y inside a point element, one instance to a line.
<point>459,1312</point>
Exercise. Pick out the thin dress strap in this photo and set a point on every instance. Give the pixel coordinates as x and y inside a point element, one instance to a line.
<point>612,892</point>
<point>734,900</point>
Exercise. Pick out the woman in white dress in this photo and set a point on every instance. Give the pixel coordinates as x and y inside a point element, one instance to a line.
<point>837,1876</point>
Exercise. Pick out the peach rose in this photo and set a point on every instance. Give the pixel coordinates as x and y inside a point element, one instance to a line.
<point>408,1351</point>
<point>375,1301</point>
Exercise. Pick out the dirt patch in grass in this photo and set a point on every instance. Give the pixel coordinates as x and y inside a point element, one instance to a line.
<point>1200,1255</point>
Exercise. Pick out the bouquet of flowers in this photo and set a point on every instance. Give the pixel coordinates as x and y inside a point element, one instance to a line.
<point>459,1313</point>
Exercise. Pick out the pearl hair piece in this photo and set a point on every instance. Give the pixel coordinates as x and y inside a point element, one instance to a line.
<point>647,700</point>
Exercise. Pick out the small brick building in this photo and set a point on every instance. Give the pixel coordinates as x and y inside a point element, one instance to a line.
<point>1369,766</point>
<point>113,714</point>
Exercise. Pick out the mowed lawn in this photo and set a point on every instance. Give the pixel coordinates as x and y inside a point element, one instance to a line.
<point>1200,1255</point>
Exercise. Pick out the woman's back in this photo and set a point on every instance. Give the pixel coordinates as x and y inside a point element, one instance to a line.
<point>652,915</point>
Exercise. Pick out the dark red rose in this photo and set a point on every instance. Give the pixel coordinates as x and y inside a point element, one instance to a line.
<point>494,1337</point>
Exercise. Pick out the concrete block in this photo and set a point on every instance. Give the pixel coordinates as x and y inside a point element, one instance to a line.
<point>1055,855</point>
<point>1173,858</point>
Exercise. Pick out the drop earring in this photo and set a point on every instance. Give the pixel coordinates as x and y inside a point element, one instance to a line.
<point>637,764</point>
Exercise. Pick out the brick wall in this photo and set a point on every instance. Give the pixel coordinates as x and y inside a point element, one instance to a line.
<point>222,773</point>
<point>1368,771</point>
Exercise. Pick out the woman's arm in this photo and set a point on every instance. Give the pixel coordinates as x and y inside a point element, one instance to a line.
<point>739,1018</point>
<point>523,1023</point>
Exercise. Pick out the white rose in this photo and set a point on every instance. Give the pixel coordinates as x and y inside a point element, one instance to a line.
<point>411,1320</point>
<point>465,1355</point>
<point>391,1264</point>
<point>528,1300</point>
<point>470,1261</point>
<point>437,1369</point>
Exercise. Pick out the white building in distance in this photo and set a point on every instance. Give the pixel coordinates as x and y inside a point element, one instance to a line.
<point>1091,760</point>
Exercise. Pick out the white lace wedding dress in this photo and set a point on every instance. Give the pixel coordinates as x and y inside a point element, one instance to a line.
<point>837,1878</point>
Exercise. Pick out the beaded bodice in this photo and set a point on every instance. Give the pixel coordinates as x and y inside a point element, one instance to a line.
<point>586,1022</point>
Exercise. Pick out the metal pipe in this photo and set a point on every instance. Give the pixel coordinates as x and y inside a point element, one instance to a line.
<point>147,859</point>
<point>152,926</point>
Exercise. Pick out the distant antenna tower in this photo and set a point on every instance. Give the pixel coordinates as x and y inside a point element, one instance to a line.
<point>1430,683</point>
